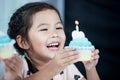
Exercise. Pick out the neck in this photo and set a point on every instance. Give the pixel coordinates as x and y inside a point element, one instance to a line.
<point>37,62</point>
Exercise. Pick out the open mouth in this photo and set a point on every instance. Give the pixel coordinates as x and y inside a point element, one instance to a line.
<point>53,46</point>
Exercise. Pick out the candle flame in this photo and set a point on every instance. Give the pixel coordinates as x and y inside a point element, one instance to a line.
<point>77,22</point>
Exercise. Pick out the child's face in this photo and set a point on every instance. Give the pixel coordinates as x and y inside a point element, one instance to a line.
<point>46,36</point>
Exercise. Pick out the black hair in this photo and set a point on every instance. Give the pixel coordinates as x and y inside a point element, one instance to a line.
<point>21,22</point>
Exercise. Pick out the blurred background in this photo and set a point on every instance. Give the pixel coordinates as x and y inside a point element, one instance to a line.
<point>99,19</point>
<point>8,7</point>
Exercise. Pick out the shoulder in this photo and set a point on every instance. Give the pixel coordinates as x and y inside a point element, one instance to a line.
<point>25,69</point>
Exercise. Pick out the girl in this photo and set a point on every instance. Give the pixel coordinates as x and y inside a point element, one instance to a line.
<point>39,34</point>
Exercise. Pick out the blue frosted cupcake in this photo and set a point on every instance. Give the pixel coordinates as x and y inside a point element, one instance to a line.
<point>83,45</point>
<point>6,46</point>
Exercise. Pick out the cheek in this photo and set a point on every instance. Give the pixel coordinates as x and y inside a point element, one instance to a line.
<point>37,41</point>
<point>38,48</point>
<point>40,42</point>
<point>63,37</point>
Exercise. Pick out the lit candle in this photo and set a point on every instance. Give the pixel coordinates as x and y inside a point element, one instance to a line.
<point>77,23</point>
<point>76,33</point>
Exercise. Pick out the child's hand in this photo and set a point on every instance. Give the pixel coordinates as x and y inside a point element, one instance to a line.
<point>13,67</point>
<point>93,61</point>
<point>64,58</point>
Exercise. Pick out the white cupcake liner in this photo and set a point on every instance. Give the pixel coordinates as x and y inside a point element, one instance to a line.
<point>85,52</point>
<point>6,50</point>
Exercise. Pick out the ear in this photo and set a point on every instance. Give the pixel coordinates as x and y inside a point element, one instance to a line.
<point>22,42</point>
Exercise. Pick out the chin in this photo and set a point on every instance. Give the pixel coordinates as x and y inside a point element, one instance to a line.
<point>51,55</point>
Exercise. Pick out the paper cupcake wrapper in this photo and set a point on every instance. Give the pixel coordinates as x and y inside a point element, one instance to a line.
<point>85,52</point>
<point>6,50</point>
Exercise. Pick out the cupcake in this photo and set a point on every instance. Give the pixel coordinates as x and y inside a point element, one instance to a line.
<point>6,46</point>
<point>81,43</point>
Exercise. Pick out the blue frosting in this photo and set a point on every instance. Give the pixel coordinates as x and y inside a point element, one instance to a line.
<point>81,42</point>
<point>4,39</point>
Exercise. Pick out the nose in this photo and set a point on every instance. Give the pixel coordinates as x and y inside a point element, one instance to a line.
<point>54,34</point>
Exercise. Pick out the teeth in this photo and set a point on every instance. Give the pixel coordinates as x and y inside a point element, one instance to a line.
<point>53,44</point>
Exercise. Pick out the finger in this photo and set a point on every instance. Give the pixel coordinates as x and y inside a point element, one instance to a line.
<point>70,53</point>
<point>18,59</point>
<point>96,57</point>
<point>70,59</point>
<point>12,64</point>
<point>69,49</point>
<point>8,65</point>
<point>61,54</point>
<point>13,60</point>
<point>95,52</point>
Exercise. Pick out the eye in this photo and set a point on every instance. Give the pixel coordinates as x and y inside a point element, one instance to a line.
<point>59,28</point>
<point>44,29</point>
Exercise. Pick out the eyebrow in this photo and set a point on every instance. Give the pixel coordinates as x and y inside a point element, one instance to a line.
<point>59,22</point>
<point>42,24</point>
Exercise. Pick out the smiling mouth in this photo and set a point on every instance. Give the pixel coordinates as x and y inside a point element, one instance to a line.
<point>54,46</point>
